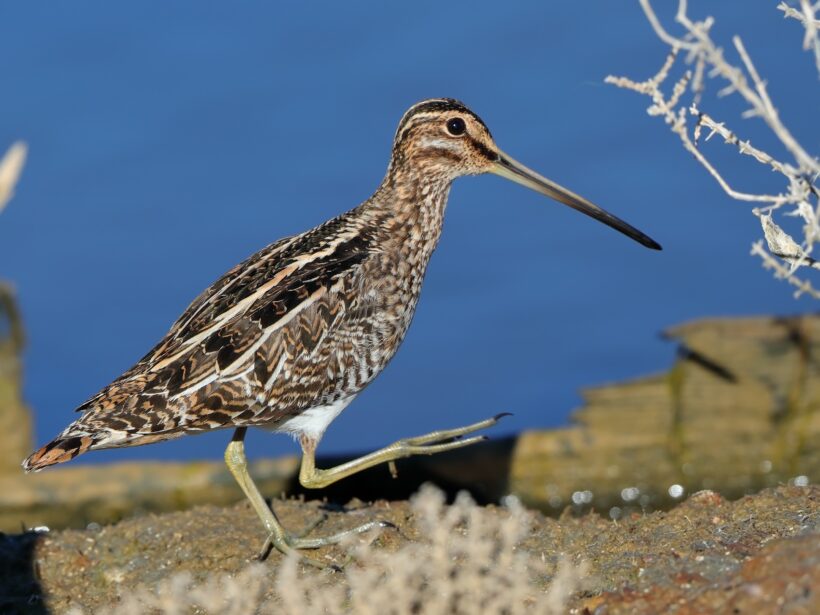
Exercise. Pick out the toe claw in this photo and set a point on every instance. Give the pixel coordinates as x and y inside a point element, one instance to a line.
<point>265,552</point>
<point>501,415</point>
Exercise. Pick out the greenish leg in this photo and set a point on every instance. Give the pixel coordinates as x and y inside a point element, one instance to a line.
<point>436,442</point>
<point>277,535</point>
<point>314,478</point>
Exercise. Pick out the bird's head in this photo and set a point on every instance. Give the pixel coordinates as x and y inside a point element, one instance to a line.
<point>441,136</point>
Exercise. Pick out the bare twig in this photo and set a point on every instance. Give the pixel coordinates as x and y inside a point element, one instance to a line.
<point>10,167</point>
<point>800,175</point>
<point>806,16</point>
<point>783,272</point>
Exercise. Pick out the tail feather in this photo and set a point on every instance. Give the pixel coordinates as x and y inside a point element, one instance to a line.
<point>80,437</point>
<point>61,449</point>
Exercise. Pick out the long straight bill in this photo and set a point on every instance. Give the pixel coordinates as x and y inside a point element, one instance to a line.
<point>515,171</point>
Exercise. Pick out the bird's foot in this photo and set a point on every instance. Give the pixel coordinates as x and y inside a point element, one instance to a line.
<point>290,543</point>
<point>435,442</point>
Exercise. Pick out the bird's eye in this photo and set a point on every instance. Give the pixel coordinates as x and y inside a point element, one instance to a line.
<point>456,126</point>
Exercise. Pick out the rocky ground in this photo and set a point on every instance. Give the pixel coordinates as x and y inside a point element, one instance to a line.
<point>760,554</point>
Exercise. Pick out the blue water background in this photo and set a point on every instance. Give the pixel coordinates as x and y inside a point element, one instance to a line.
<point>170,140</point>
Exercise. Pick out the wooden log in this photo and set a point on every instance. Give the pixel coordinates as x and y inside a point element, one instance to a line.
<point>737,412</point>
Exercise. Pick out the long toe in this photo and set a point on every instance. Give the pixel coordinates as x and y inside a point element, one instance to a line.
<point>289,549</point>
<point>432,449</point>
<point>334,539</point>
<point>269,542</point>
<point>449,434</point>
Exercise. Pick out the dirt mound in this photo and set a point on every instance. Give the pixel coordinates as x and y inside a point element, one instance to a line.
<point>707,554</point>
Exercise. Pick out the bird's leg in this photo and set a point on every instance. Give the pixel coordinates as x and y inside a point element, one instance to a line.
<point>277,535</point>
<point>312,477</point>
<point>436,442</point>
<point>238,465</point>
<point>308,450</point>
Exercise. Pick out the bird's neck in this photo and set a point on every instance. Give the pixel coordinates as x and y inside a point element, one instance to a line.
<point>409,210</point>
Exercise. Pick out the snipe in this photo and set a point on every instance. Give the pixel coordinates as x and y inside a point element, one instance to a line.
<point>288,338</point>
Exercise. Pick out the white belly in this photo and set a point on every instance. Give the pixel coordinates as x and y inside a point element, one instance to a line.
<point>313,422</point>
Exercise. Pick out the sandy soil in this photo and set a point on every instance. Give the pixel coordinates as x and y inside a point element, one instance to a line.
<point>760,554</point>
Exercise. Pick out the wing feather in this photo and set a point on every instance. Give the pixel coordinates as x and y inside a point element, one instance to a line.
<point>234,336</point>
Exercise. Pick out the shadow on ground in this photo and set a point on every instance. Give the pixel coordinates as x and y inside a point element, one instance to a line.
<point>20,591</point>
<point>485,477</point>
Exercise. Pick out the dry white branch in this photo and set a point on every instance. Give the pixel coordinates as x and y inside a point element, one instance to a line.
<point>10,168</point>
<point>783,246</point>
<point>783,272</point>
<point>800,196</point>
<point>806,16</point>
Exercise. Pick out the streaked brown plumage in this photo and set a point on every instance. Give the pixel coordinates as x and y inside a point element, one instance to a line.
<point>290,336</point>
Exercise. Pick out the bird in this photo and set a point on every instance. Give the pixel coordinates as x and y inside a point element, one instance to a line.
<point>287,339</point>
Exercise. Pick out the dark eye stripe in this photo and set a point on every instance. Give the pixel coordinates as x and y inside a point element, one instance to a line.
<point>484,150</point>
